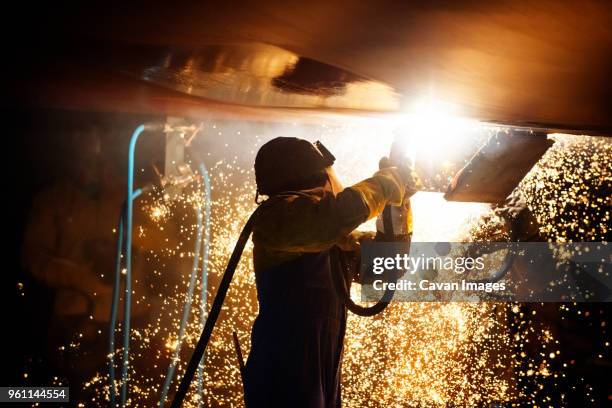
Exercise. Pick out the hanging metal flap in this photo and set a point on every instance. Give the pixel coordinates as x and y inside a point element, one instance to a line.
<point>498,167</point>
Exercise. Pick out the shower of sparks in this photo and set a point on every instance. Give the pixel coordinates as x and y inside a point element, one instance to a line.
<point>158,211</point>
<point>414,354</point>
<point>570,189</point>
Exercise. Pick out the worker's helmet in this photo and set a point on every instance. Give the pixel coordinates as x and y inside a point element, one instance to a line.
<point>291,164</point>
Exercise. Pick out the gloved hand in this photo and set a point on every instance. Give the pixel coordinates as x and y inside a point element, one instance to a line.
<point>350,246</point>
<point>354,240</point>
<point>398,217</point>
<point>409,177</point>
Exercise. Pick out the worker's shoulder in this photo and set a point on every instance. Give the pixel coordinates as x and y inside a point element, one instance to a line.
<point>290,201</point>
<point>292,197</point>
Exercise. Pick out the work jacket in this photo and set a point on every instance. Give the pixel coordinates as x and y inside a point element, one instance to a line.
<point>296,342</point>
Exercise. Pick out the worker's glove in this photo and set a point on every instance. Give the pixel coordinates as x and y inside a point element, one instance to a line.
<point>409,178</point>
<point>354,240</point>
<point>350,246</point>
<point>398,217</point>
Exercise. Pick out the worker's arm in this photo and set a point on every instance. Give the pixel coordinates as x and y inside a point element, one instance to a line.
<point>311,223</point>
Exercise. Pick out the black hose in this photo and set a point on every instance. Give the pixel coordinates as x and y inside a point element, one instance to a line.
<point>504,267</point>
<point>344,291</point>
<point>342,283</point>
<point>338,279</point>
<point>215,310</point>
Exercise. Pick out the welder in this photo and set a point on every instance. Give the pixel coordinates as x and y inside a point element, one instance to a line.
<point>297,338</point>
<point>69,246</point>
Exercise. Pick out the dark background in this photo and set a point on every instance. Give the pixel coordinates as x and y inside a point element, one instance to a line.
<point>39,152</point>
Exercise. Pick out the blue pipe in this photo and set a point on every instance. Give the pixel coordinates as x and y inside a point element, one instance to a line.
<point>204,289</point>
<point>114,307</point>
<point>115,303</point>
<point>126,219</point>
<point>186,311</point>
<point>191,288</point>
<point>131,196</point>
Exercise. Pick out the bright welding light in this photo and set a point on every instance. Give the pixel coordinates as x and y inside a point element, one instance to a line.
<point>433,129</point>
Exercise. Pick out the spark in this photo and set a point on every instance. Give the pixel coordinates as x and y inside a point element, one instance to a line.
<point>414,354</point>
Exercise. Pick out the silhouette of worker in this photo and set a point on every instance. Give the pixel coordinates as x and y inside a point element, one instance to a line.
<point>297,338</point>
<point>69,246</point>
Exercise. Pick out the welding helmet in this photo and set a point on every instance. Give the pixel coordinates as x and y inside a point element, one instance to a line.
<point>291,164</point>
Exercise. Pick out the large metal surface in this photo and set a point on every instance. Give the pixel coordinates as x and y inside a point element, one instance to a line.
<point>267,76</point>
<point>542,63</point>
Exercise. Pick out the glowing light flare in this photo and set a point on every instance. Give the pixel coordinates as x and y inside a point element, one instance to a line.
<point>441,220</point>
<point>434,129</point>
<point>422,354</point>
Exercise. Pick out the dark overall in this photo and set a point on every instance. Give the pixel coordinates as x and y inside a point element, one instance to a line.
<point>296,343</point>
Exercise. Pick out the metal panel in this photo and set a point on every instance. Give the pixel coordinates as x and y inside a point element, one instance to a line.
<point>498,167</point>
